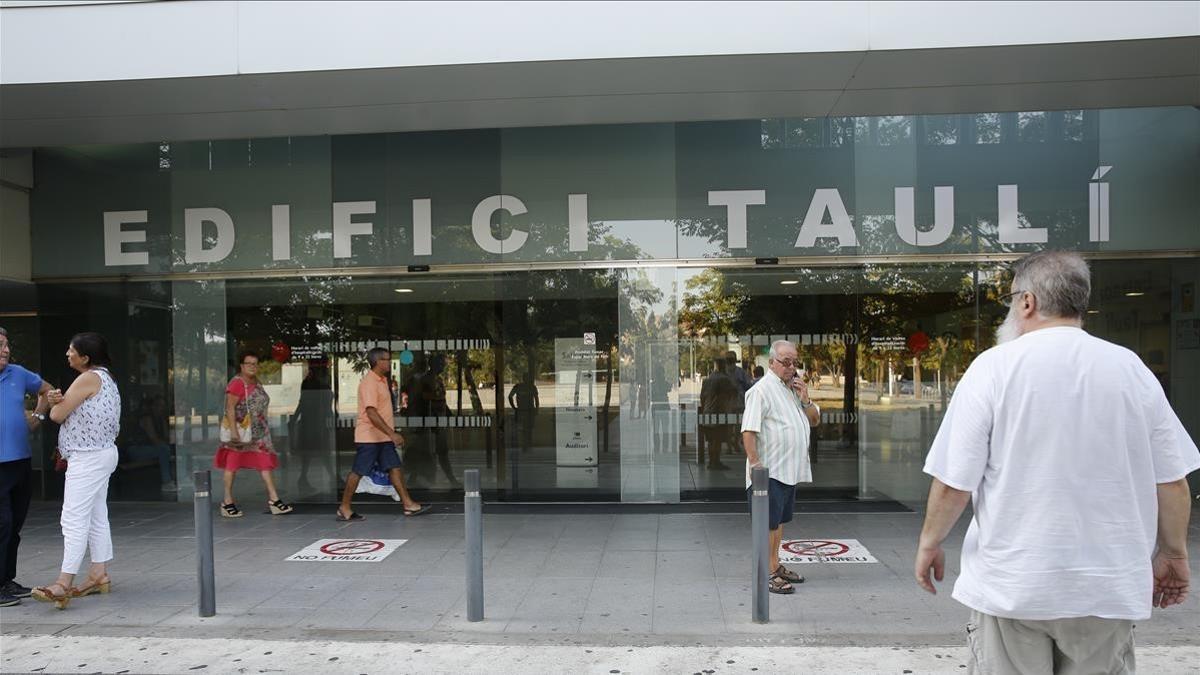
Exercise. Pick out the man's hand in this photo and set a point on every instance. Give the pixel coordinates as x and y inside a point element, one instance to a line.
<point>801,389</point>
<point>1170,580</point>
<point>397,439</point>
<point>930,557</point>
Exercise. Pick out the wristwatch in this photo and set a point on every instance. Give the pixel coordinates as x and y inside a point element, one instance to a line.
<point>40,417</point>
<point>806,405</point>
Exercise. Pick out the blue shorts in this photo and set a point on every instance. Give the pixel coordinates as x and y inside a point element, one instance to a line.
<point>781,501</point>
<point>367,455</point>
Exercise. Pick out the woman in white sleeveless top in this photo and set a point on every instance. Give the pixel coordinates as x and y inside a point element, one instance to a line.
<point>90,414</point>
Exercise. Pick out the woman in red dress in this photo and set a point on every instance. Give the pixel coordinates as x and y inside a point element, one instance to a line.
<point>246,398</point>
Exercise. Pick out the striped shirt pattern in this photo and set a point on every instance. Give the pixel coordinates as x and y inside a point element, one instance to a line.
<point>773,412</point>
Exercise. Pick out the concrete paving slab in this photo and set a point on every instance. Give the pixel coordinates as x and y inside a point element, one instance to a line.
<point>635,578</point>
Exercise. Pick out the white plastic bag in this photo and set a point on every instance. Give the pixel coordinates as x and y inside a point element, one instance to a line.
<point>244,433</point>
<point>377,483</point>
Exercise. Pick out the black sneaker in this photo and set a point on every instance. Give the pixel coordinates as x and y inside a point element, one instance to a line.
<point>7,600</point>
<point>17,590</point>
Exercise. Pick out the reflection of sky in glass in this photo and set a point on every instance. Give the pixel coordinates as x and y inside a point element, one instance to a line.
<point>656,238</point>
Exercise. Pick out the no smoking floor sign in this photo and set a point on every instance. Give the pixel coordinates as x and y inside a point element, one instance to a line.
<point>347,550</point>
<point>803,551</point>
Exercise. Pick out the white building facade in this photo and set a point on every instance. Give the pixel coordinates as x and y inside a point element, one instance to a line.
<point>578,226</point>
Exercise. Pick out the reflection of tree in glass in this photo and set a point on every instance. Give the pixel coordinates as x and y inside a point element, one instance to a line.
<point>712,305</point>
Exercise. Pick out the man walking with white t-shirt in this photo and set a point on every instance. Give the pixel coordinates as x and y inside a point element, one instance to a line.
<point>1077,468</point>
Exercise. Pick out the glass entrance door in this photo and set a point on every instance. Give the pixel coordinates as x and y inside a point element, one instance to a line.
<point>881,349</point>
<point>558,399</point>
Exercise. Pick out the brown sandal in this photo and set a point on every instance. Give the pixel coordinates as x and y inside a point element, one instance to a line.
<point>788,575</point>
<point>101,586</point>
<point>45,594</point>
<point>778,584</point>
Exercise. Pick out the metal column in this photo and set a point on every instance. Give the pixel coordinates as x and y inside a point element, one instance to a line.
<point>202,499</point>
<point>473,517</point>
<point>759,525</point>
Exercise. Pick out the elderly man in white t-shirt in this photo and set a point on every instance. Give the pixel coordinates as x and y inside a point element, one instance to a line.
<point>1077,468</point>
<point>776,425</point>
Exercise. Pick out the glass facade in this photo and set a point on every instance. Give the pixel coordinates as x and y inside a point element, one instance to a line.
<point>597,298</point>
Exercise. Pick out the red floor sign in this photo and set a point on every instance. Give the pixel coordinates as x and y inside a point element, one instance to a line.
<point>824,551</point>
<point>352,547</point>
<point>346,550</point>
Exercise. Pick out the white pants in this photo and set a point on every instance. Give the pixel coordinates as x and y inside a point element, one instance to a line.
<point>85,508</point>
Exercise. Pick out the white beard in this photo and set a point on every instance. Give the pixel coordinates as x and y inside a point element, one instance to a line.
<point>1008,331</point>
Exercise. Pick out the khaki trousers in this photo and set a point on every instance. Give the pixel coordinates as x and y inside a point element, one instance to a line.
<point>1085,645</point>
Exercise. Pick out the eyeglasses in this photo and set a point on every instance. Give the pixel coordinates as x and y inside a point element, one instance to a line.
<point>787,363</point>
<point>1008,300</point>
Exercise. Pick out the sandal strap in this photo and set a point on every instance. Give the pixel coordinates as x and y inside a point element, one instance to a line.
<point>230,508</point>
<point>47,589</point>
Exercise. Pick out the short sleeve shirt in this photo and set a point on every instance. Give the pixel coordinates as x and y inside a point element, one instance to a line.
<point>15,383</point>
<point>1062,438</point>
<point>237,387</point>
<point>773,413</point>
<point>373,392</point>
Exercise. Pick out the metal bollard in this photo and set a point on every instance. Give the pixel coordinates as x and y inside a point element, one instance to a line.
<point>473,515</point>
<point>202,499</point>
<point>863,448</point>
<point>759,524</point>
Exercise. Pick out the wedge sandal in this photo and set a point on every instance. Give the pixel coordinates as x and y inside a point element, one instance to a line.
<point>231,510</point>
<point>278,508</point>
<point>47,594</point>
<point>93,587</point>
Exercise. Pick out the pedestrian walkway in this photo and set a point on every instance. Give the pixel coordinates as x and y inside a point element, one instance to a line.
<point>604,580</point>
<point>188,655</point>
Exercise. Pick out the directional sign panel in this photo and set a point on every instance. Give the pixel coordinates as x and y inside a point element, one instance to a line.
<point>575,423</point>
<point>346,550</point>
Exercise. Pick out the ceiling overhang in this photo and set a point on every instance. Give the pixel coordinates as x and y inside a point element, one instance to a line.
<point>1130,73</point>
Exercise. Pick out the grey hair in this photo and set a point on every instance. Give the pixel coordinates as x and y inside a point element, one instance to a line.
<point>1060,280</point>
<point>773,354</point>
<point>375,354</point>
<point>3,332</point>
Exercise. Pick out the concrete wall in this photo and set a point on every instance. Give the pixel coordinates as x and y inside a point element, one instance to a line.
<point>129,41</point>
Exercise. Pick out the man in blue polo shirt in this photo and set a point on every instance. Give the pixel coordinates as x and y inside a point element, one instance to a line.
<point>16,475</point>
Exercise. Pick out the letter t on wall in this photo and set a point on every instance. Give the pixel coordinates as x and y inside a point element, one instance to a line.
<point>735,203</point>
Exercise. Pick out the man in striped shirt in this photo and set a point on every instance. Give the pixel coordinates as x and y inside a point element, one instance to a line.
<point>776,425</point>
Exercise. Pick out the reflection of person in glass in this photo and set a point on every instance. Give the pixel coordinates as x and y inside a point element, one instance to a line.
<point>737,373</point>
<point>150,442</point>
<point>523,399</point>
<point>660,406</point>
<point>427,398</point>
<point>717,393</point>
<point>312,423</point>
